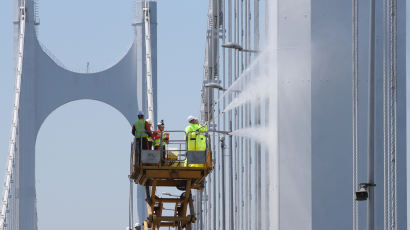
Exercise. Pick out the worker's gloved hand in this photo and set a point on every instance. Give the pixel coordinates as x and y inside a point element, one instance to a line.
<point>204,123</point>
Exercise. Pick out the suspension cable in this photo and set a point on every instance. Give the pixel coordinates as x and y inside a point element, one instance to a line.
<point>390,114</point>
<point>131,205</point>
<point>393,54</point>
<point>355,109</point>
<point>391,118</point>
<point>148,62</point>
<point>385,124</point>
<point>14,126</point>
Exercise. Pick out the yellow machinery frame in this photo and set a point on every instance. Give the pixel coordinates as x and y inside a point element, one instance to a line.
<point>169,174</point>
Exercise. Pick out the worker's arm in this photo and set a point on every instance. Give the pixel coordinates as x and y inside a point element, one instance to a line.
<point>133,130</point>
<point>204,127</point>
<point>148,129</point>
<point>156,135</point>
<point>187,131</point>
<point>167,138</point>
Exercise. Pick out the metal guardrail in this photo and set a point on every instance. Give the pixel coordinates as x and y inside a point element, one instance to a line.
<point>178,146</point>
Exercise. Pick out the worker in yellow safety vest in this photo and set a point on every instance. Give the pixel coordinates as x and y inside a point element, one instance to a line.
<point>158,135</point>
<point>150,138</point>
<point>196,140</point>
<point>141,130</point>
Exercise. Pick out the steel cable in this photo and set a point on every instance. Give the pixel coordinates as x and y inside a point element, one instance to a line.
<point>388,117</point>
<point>385,149</point>
<point>9,188</point>
<point>394,101</point>
<point>355,107</point>
<point>131,206</point>
<point>388,114</point>
<point>391,116</point>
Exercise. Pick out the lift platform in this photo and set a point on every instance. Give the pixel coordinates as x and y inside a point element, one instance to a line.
<point>172,166</point>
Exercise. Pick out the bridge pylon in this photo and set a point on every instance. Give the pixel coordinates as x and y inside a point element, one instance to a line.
<point>43,85</point>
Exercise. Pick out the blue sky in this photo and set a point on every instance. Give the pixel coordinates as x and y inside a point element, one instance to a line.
<point>83,147</point>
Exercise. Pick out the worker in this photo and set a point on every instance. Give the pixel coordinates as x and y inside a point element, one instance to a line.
<point>196,139</point>
<point>150,136</point>
<point>141,130</point>
<point>158,135</point>
<point>137,226</point>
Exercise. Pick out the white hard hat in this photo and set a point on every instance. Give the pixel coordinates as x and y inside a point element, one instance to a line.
<point>191,118</point>
<point>149,121</point>
<point>160,123</point>
<point>140,113</point>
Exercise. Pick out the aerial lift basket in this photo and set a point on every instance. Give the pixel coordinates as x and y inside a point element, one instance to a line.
<point>172,166</point>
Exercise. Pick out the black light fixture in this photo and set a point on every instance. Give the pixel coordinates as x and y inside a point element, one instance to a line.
<point>363,193</point>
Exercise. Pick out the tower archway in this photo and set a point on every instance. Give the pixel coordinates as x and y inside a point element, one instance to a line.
<point>82,158</point>
<point>47,85</point>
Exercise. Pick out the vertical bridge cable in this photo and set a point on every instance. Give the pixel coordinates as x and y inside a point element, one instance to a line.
<point>14,126</point>
<point>131,205</point>
<point>390,114</point>
<point>239,118</point>
<point>391,119</point>
<point>385,123</point>
<point>388,43</point>
<point>393,112</point>
<point>394,98</point>
<point>148,62</point>
<point>391,179</point>
<point>222,153</point>
<point>355,109</point>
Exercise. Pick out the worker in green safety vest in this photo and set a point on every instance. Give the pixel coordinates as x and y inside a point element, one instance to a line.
<point>158,135</point>
<point>150,139</point>
<point>195,137</point>
<point>196,140</point>
<point>141,130</point>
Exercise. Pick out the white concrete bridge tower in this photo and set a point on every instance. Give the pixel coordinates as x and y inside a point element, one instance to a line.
<point>42,86</point>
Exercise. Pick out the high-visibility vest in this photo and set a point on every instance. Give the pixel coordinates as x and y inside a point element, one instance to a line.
<point>196,141</point>
<point>191,136</point>
<point>140,129</point>
<point>201,139</point>
<point>164,136</point>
